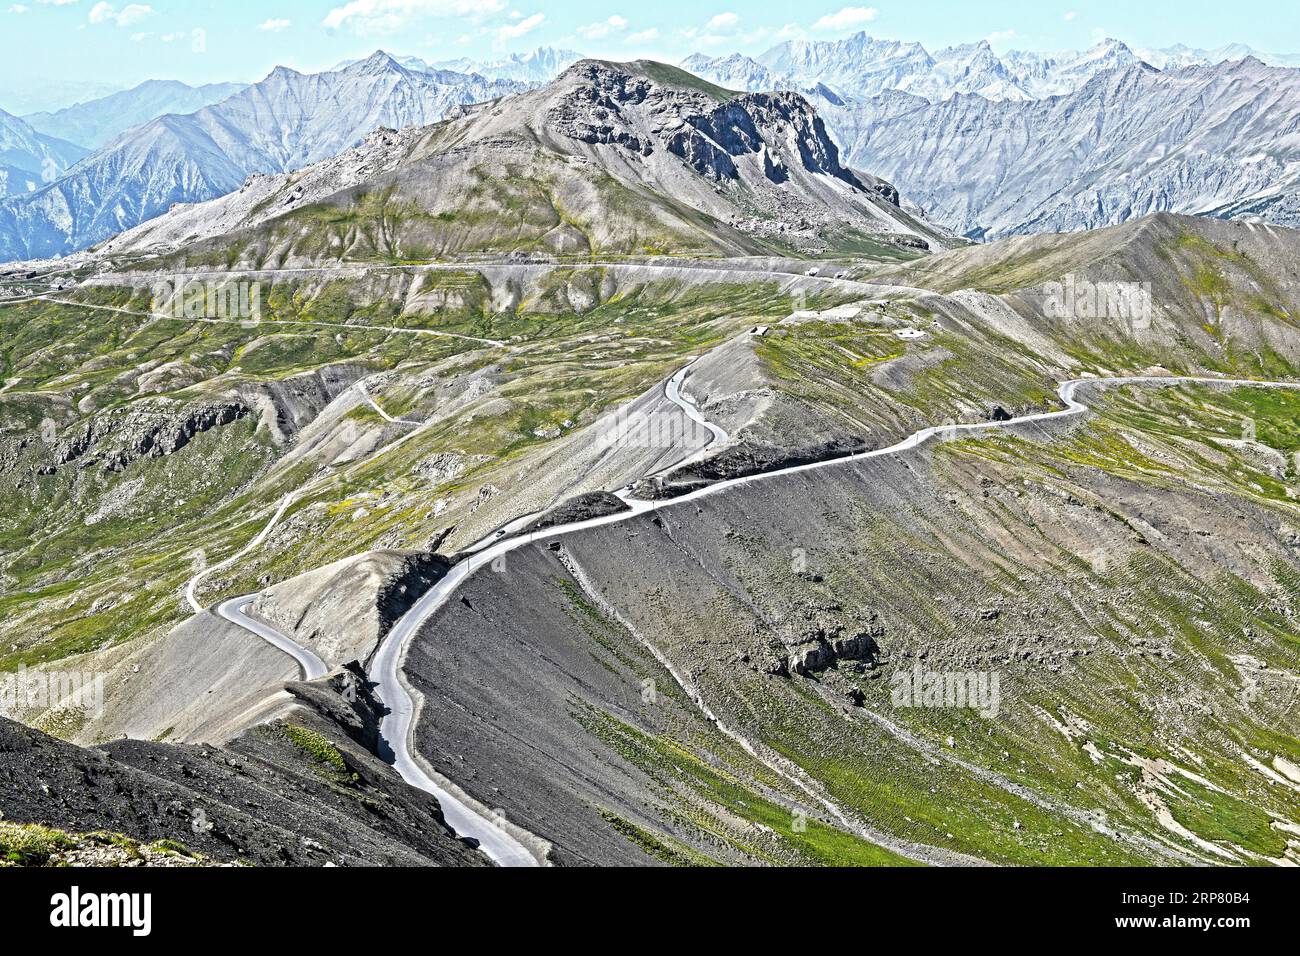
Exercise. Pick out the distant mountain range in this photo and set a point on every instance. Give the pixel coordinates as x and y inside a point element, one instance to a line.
<point>987,144</point>
<point>94,123</point>
<point>1219,140</point>
<point>1181,55</point>
<point>1025,143</point>
<point>862,66</point>
<point>36,94</point>
<point>285,122</point>
<point>538,66</point>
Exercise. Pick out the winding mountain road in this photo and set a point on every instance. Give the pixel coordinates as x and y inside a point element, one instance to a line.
<point>385,668</point>
<point>361,387</point>
<point>397,727</point>
<point>235,610</point>
<point>191,589</point>
<point>351,327</point>
<point>673,392</point>
<point>733,269</point>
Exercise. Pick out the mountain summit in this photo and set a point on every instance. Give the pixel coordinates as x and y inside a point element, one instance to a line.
<point>612,157</point>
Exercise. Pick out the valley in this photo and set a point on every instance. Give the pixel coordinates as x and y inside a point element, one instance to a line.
<point>332,595</point>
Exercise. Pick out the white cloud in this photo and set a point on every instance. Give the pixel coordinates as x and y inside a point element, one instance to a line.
<point>846,18</point>
<point>517,29</point>
<point>386,16</point>
<point>791,31</point>
<point>603,28</point>
<point>644,36</point>
<point>1000,36</point>
<point>1070,16</point>
<point>55,3</point>
<point>718,30</point>
<point>131,13</point>
<point>721,23</point>
<point>18,8</point>
<point>275,25</point>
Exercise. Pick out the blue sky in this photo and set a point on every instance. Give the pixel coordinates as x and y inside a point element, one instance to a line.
<point>123,42</point>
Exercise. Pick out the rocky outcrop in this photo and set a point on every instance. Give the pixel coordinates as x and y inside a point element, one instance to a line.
<point>697,128</point>
<point>155,428</point>
<point>748,457</point>
<point>702,154</point>
<point>305,790</point>
<point>791,116</point>
<point>342,611</point>
<point>590,111</point>
<point>288,405</point>
<point>118,438</point>
<point>347,699</point>
<point>889,193</point>
<point>580,508</point>
<point>830,644</point>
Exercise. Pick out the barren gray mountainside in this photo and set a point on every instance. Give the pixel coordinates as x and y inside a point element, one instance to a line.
<point>1095,563</point>
<point>304,790</point>
<point>1210,140</point>
<point>286,121</point>
<point>29,159</point>
<point>611,158</point>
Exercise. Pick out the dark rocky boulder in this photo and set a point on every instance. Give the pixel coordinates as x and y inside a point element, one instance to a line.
<point>597,504</point>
